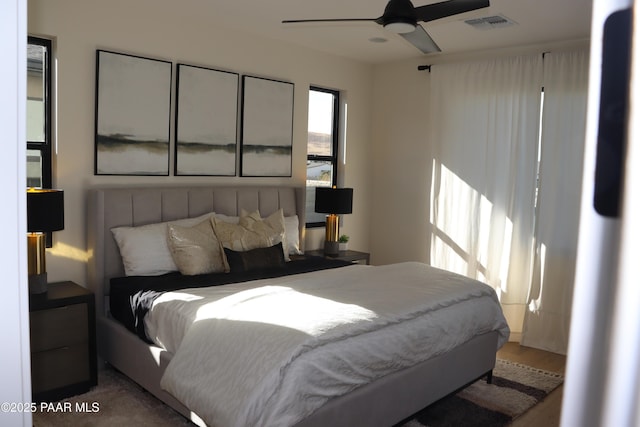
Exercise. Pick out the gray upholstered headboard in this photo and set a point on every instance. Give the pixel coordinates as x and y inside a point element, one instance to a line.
<point>122,206</point>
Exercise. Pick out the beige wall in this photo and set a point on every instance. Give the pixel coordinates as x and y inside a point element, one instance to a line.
<point>162,29</point>
<point>401,164</point>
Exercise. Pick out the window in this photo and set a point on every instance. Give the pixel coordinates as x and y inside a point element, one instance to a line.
<point>322,147</point>
<point>38,112</point>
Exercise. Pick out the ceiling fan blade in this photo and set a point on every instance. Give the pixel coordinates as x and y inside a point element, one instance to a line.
<point>431,12</point>
<point>423,41</point>
<point>295,21</point>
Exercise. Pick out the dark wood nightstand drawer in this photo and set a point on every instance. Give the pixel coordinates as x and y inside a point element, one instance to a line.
<point>52,369</point>
<point>63,342</point>
<point>59,327</point>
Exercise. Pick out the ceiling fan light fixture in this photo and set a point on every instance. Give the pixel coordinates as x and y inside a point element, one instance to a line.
<point>400,27</point>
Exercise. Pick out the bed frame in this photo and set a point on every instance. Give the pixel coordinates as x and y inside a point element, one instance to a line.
<point>384,402</point>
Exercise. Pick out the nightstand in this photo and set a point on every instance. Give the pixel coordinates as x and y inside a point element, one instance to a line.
<point>63,342</point>
<point>352,256</point>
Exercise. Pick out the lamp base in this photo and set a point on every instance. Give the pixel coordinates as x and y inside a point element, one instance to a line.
<point>331,235</point>
<point>331,248</point>
<point>37,263</point>
<point>38,283</point>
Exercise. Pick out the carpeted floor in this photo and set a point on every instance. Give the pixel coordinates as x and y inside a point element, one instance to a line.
<point>121,403</point>
<point>116,401</point>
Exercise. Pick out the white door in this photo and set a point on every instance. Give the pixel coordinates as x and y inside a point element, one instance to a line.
<point>603,383</point>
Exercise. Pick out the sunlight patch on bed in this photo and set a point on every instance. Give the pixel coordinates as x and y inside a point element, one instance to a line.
<point>283,306</point>
<point>177,296</point>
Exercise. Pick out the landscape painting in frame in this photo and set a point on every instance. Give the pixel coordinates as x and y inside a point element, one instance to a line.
<point>206,121</point>
<point>133,115</point>
<point>267,127</point>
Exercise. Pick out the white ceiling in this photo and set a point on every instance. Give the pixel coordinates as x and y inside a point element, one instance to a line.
<point>538,22</point>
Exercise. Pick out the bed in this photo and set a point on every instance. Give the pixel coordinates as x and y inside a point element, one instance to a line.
<point>387,398</point>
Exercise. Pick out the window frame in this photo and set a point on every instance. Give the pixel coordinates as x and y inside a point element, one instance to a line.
<point>333,158</point>
<point>44,147</point>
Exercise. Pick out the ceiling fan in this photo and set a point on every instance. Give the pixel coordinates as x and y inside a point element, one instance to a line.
<point>401,17</point>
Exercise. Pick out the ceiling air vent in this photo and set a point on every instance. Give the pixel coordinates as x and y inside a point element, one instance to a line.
<point>490,22</point>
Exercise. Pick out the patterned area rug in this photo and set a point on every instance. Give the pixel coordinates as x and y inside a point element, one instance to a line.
<point>117,401</point>
<point>515,389</point>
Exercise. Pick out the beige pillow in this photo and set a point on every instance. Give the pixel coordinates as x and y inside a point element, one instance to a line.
<point>271,227</point>
<point>196,250</point>
<point>237,237</point>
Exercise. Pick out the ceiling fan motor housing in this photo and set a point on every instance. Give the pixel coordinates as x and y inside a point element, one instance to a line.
<point>399,16</point>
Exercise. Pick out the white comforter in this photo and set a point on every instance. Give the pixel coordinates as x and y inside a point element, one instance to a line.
<point>271,352</point>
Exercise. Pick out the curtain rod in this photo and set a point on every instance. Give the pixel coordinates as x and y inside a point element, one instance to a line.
<point>428,67</point>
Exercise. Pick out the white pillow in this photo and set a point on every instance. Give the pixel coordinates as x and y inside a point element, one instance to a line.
<point>145,250</point>
<point>293,234</point>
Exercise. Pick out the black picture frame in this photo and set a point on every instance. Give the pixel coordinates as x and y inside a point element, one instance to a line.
<point>133,114</point>
<point>267,127</point>
<point>206,129</point>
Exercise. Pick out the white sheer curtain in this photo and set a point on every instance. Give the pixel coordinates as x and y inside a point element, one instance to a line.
<point>485,122</point>
<point>547,319</point>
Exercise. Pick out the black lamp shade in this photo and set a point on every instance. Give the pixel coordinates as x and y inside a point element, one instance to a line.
<point>45,210</point>
<point>334,200</point>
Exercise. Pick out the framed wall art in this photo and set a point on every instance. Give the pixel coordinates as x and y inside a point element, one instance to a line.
<point>267,127</point>
<point>133,115</point>
<point>206,121</point>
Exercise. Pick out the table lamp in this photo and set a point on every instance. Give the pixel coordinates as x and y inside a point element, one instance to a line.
<point>333,201</point>
<point>45,213</point>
